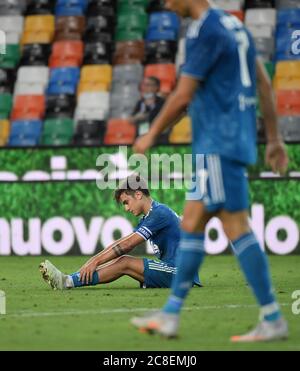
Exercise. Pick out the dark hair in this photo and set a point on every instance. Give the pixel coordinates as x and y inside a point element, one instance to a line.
<point>155,80</point>
<point>130,185</point>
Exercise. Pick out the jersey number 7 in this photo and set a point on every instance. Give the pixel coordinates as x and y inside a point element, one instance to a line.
<point>243,41</point>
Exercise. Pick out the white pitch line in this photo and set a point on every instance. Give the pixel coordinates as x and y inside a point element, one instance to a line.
<point>122,310</point>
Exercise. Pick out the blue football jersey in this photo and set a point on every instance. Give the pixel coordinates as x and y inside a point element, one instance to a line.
<point>161,226</point>
<point>221,54</point>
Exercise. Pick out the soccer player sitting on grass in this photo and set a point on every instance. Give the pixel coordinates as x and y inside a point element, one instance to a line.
<point>159,224</point>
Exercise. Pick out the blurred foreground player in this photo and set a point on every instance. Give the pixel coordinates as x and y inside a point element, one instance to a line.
<point>218,83</point>
<point>160,225</point>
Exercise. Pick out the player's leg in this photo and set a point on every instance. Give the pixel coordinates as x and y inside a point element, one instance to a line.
<point>235,219</point>
<point>189,257</point>
<point>190,253</point>
<point>124,265</point>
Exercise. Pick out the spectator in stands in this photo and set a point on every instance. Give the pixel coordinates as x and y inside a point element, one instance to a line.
<point>148,107</point>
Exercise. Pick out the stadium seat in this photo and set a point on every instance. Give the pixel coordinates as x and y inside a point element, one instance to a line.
<point>239,14</point>
<point>28,107</point>
<point>260,31</point>
<point>5,105</point>
<point>92,106</point>
<point>163,26</point>
<point>265,47</point>
<point>4,131</point>
<point>90,132</point>
<point>31,80</point>
<point>125,6</point>
<point>38,29</point>
<point>156,6</point>
<point>124,100</point>
<point>31,74</point>
<point>128,74</point>
<point>12,7</point>
<point>7,80</point>
<point>290,128</point>
<point>53,140</point>
<point>97,53</point>
<point>100,23</point>
<point>283,44</point>
<point>60,127</point>
<point>287,75</point>
<point>161,51</point>
<point>132,21</point>
<point>12,25</point>
<point>35,54</point>
<point>119,132</point>
<point>129,52</point>
<point>181,132</point>
<point>101,7</point>
<point>22,142</point>
<point>166,73</point>
<point>26,128</point>
<point>70,8</point>
<point>287,4</point>
<point>258,17</point>
<point>259,4</point>
<point>288,102</point>
<point>66,54</point>
<point>63,80</point>
<point>95,78</point>
<point>11,57</point>
<point>228,5</point>
<point>60,106</point>
<point>69,28</point>
<point>288,17</point>
<point>129,35</point>
<point>40,7</point>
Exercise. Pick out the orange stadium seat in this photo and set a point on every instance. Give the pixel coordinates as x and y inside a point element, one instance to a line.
<point>120,131</point>
<point>28,107</point>
<point>66,54</point>
<point>288,102</point>
<point>239,14</point>
<point>166,73</point>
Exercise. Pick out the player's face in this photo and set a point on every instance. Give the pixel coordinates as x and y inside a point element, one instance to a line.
<point>132,204</point>
<point>178,6</point>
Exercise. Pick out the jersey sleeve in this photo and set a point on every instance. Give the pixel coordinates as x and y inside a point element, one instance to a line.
<point>202,52</point>
<point>157,220</point>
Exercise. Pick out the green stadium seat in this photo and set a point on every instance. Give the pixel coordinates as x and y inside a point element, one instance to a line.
<point>132,21</point>
<point>270,69</point>
<point>5,105</point>
<point>129,5</point>
<point>127,35</point>
<point>52,140</point>
<point>12,56</point>
<point>63,127</point>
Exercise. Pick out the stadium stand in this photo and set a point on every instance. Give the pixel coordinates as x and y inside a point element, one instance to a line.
<point>78,64</point>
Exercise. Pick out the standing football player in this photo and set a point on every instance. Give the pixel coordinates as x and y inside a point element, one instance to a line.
<point>218,84</point>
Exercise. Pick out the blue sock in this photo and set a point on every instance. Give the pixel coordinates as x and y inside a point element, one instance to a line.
<point>189,257</point>
<point>254,264</point>
<point>77,283</point>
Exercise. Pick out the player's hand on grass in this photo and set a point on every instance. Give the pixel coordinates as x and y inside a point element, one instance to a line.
<point>87,271</point>
<point>143,143</point>
<point>276,156</point>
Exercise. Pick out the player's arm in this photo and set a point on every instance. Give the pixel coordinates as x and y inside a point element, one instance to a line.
<point>276,155</point>
<point>118,248</point>
<point>174,107</point>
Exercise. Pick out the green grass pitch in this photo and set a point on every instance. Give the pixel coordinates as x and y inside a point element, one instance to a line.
<point>97,318</point>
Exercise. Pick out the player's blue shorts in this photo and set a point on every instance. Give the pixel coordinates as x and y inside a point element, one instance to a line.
<point>158,274</point>
<point>220,183</point>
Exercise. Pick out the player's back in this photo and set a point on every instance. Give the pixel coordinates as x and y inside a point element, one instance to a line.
<point>221,54</point>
